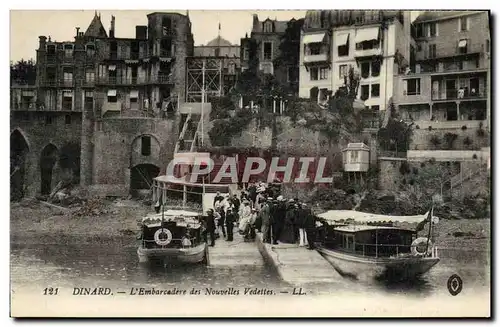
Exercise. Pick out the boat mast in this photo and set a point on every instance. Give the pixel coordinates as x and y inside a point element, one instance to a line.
<point>163,206</point>
<point>429,235</point>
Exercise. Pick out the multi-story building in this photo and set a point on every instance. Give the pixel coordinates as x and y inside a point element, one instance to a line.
<point>101,92</point>
<point>263,48</point>
<point>333,41</point>
<point>447,85</point>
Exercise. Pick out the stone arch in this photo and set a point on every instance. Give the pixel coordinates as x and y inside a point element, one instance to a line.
<point>19,149</point>
<point>138,156</point>
<point>69,161</point>
<point>48,158</point>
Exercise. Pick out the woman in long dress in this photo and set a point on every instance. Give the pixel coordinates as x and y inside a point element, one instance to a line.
<point>288,235</point>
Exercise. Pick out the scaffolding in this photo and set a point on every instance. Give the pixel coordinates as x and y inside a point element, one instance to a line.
<point>204,73</point>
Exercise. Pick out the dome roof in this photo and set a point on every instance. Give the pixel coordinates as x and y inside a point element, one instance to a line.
<point>219,41</point>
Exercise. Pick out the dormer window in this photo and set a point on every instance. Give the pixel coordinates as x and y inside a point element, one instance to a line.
<point>68,50</point>
<point>90,49</point>
<point>268,27</point>
<point>51,49</point>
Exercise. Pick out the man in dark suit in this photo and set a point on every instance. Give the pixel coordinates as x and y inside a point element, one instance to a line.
<point>210,227</point>
<point>230,219</point>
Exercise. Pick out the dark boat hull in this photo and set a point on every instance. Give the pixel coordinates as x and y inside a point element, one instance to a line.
<point>194,254</point>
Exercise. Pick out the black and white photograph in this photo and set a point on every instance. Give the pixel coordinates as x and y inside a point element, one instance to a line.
<point>250,163</point>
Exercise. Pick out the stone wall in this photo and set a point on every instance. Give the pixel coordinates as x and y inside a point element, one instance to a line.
<point>420,139</point>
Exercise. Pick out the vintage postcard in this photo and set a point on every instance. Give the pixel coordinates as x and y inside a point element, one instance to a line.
<point>315,163</point>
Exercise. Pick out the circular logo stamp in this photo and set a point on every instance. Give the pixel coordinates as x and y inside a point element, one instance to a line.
<point>455,284</point>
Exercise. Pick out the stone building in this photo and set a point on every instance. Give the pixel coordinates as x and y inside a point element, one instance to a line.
<point>105,107</point>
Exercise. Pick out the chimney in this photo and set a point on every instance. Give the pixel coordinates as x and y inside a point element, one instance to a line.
<point>78,31</point>
<point>42,42</point>
<point>255,20</point>
<point>112,28</point>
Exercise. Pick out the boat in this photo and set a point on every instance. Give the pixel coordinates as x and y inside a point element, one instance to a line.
<point>367,246</point>
<point>173,236</point>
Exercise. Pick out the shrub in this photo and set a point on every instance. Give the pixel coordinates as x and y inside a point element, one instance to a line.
<point>430,128</point>
<point>474,156</point>
<point>450,139</point>
<point>435,141</point>
<point>417,127</point>
<point>464,128</point>
<point>481,132</point>
<point>467,141</point>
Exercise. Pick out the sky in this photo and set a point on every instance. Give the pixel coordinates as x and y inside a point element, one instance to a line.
<point>61,25</point>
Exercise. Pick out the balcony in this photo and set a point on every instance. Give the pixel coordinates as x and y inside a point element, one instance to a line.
<point>364,53</point>
<point>161,79</point>
<point>449,124</point>
<point>166,54</point>
<point>88,83</point>
<point>51,59</point>
<point>316,58</point>
<point>457,94</point>
<point>67,83</point>
<point>48,83</point>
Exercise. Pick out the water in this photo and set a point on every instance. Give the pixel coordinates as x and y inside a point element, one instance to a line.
<point>114,264</point>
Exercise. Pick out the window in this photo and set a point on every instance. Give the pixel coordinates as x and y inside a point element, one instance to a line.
<point>432,29</point>
<point>146,145</point>
<point>313,93</point>
<point>89,100</point>
<point>246,53</point>
<point>67,100</point>
<point>166,23</point>
<point>432,51</point>
<point>314,49</point>
<point>342,71</point>
<point>367,45</point>
<point>419,47</point>
<point>462,46</point>
<point>376,108</point>
<point>90,76</point>
<point>343,50</point>
<point>68,75</point>
<point>231,69</point>
<point>413,86</point>
<point>68,50</point>
<point>67,119</point>
<point>48,119</point>
<point>112,98</point>
<point>90,48</point>
<point>323,73</point>
<point>365,92</point>
<point>313,73</point>
<point>463,24</point>
<point>420,30</point>
<point>323,95</point>
<point>365,69</point>
<point>51,49</point>
<point>268,50</point>
<point>268,27</point>
<point>488,46</point>
<point>375,90</point>
<point>375,68</point>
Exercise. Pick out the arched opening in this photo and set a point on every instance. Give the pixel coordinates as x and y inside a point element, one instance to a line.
<point>141,177</point>
<point>48,159</point>
<point>18,153</point>
<point>69,161</point>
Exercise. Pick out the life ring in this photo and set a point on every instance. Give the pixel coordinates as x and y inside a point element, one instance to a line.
<point>421,242</point>
<point>163,241</point>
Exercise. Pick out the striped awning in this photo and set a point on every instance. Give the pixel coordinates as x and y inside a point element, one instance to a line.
<point>111,67</point>
<point>165,59</point>
<point>134,94</point>
<point>67,94</point>
<point>314,38</point>
<point>342,39</point>
<point>131,62</point>
<point>367,34</point>
<point>111,93</point>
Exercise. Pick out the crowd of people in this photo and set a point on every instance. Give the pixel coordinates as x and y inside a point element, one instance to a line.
<point>261,208</point>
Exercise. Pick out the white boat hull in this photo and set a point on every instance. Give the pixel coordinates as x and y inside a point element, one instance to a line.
<point>183,255</point>
<point>366,268</point>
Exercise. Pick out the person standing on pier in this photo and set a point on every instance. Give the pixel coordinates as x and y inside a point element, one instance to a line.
<point>230,219</point>
<point>289,232</point>
<point>310,226</point>
<point>210,227</point>
<point>265,214</point>
<point>278,219</point>
<point>300,223</point>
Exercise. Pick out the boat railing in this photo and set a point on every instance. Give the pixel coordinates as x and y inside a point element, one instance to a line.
<point>383,250</point>
<point>174,241</point>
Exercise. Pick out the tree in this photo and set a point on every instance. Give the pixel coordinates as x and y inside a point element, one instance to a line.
<point>395,136</point>
<point>23,72</point>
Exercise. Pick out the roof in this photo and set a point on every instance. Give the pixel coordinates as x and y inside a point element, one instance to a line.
<point>356,146</point>
<point>433,15</point>
<point>361,228</point>
<point>280,26</point>
<point>364,217</point>
<point>219,41</point>
<point>96,29</point>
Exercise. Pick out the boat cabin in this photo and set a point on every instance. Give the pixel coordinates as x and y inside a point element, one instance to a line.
<point>372,241</point>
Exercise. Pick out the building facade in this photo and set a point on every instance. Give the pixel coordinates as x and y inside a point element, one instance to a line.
<point>100,92</point>
<point>264,48</point>
<point>367,40</point>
